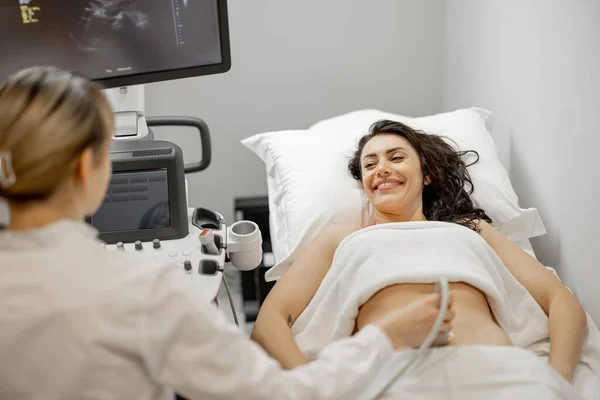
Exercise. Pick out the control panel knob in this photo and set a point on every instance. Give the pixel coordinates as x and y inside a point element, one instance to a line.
<point>120,246</point>
<point>156,244</point>
<point>138,245</point>
<point>187,265</point>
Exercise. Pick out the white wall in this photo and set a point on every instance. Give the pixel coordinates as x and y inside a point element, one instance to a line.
<point>536,65</point>
<point>296,62</point>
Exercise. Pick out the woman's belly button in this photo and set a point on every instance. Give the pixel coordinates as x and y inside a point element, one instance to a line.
<point>473,324</point>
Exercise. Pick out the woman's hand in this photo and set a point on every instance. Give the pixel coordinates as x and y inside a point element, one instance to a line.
<point>410,325</point>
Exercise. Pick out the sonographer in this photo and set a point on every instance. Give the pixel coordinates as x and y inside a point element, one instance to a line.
<point>79,322</point>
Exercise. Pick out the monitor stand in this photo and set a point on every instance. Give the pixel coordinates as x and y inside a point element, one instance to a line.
<point>128,105</point>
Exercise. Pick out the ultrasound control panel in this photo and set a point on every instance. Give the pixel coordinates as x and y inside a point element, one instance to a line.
<point>202,264</point>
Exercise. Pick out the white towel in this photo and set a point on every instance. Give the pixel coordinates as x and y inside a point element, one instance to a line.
<point>478,372</point>
<point>420,252</point>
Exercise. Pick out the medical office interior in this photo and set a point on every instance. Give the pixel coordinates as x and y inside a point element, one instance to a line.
<point>534,65</point>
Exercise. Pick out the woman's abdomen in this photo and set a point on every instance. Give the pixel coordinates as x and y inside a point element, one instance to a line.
<point>473,324</point>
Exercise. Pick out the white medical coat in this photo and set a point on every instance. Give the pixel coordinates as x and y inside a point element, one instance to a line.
<point>79,322</point>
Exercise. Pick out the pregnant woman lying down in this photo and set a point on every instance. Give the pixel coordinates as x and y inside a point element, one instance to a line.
<point>408,175</point>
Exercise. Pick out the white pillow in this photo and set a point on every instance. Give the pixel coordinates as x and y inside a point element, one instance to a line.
<point>309,184</point>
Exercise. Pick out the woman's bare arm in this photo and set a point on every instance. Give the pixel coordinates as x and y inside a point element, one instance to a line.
<point>292,294</point>
<point>567,319</point>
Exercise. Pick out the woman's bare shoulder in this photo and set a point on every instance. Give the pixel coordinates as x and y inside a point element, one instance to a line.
<point>484,228</point>
<point>337,231</point>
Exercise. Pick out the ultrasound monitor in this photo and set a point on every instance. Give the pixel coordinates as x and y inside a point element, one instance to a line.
<point>145,199</point>
<point>116,42</point>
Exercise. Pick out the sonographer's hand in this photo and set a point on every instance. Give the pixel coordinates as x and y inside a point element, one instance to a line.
<point>410,325</point>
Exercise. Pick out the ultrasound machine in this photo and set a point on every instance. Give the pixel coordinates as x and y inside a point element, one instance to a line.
<point>124,44</point>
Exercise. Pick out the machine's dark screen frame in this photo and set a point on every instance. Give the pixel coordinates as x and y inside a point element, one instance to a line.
<point>149,77</point>
<point>176,189</point>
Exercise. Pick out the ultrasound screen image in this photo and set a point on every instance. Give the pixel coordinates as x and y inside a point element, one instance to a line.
<point>134,201</point>
<point>108,38</point>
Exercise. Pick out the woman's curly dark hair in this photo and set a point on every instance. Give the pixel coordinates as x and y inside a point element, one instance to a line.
<point>445,197</point>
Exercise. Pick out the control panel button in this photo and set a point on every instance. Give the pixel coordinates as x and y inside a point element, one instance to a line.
<point>208,267</point>
<point>120,246</point>
<point>173,254</point>
<point>186,253</point>
<point>138,245</point>
<point>156,244</point>
<point>187,265</point>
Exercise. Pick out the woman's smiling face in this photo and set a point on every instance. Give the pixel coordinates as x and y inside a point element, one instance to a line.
<point>392,176</point>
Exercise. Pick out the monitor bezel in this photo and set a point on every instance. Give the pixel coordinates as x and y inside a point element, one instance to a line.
<point>167,75</point>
